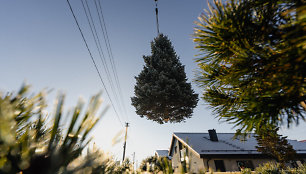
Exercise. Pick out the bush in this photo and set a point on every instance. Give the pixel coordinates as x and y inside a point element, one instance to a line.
<point>156,164</point>
<point>275,168</point>
<point>246,171</point>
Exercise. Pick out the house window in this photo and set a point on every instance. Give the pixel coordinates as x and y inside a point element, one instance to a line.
<point>219,165</point>
<point>175,151</point>
<point>183,154</point>
<point>180,146</point>
<point>245,164</point>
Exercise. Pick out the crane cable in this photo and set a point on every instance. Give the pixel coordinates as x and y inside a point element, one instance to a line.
<point>156,13</point>
<point>93,61</point>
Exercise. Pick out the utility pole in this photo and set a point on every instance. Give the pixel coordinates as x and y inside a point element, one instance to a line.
<point>134,161</point>
<point>124,145</point>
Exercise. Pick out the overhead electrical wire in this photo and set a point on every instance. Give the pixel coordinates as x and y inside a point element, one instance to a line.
<point>109,50</point>
<point>93,61</point>
<point>110,54</point>
<point>102,56</point>
<point>99,47</point>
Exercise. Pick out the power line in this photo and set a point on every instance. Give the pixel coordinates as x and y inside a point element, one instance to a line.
<point>102,57</point>
<point>111,58</point>
<point>93,61</point>
<point>99,47</point>
<point>110,53</point>
<point>109,50</point>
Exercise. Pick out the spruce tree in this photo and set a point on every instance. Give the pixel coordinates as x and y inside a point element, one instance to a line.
<point>162,93</point>
<point>274,145</point>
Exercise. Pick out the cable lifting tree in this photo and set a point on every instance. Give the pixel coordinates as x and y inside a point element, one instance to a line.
<point>162,93</point>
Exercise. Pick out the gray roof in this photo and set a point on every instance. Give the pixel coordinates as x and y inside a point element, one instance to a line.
<point>201,143</point>
<point>162,153</point>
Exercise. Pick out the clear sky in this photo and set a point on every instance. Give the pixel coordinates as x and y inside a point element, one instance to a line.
<point>40,44</point>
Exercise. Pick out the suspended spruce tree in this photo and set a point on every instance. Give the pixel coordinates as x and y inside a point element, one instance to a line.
<point>162,93</point>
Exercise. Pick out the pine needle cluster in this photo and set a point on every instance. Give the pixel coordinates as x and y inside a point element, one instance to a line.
<point>253,61</point>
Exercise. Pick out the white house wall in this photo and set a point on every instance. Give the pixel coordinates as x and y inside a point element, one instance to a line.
<point>196,163</point>
<point>175,156</point>
<point>202,143</point>
<point>231,164</point>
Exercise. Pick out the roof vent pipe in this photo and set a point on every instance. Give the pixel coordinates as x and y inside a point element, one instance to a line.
<point>213,135</point>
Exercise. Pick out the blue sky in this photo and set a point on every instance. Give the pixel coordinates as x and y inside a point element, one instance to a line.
<point>40,44</point>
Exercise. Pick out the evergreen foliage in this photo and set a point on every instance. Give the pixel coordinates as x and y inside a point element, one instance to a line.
<point>30,145</point>
<point>156,164</point>
<point>162,93</point>
<point>253,61</point>
<point>150,164</point>
<point>275,168</point>
<point>276,146</point>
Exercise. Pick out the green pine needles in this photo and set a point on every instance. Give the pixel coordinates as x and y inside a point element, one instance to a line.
<point>252,62</point>
<point>162,93</point>
<point>32,144</point>
<point>275,146</point>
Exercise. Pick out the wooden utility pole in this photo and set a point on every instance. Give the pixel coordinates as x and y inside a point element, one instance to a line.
<point>134,161</point>
<point>125,137</point>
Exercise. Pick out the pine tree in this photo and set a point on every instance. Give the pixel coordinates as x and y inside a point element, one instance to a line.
<point>32,145</point>
<point>162,93</point>
<point>253,61</point>
<point>274,145</point>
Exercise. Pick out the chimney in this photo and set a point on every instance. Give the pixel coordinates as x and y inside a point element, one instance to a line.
<point>213,135</point>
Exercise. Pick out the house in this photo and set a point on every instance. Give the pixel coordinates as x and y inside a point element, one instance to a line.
<point>162,153</point>
<point>219,152</point>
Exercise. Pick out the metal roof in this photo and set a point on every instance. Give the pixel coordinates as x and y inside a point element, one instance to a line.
<point>162,153</point>
<point>202,145</point>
